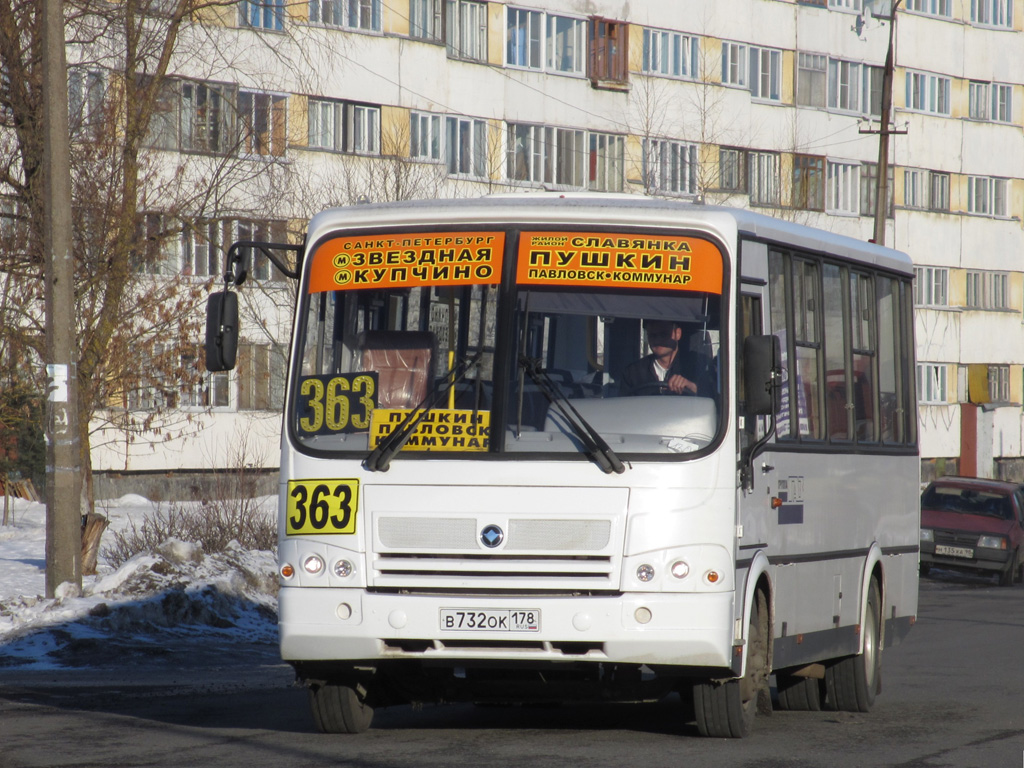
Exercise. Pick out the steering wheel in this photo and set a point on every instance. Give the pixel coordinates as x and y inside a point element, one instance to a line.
<point>660,386</point>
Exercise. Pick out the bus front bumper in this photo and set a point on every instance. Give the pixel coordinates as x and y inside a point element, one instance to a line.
<point>328,624</point>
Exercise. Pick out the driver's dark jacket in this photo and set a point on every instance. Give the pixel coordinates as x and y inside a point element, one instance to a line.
<point>687,365</point>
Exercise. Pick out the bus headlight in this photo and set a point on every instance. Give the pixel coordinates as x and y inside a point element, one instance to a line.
<point>313,564</point>
<point>343,569</point>
<point>645,572</point>
<point>680,569</point>
<point>992,542</point>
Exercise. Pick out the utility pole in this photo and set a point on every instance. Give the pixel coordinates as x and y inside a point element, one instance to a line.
<point>884,131</point>
<point>63,476</point>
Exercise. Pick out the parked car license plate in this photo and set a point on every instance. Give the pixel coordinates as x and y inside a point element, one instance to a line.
<point>490,620</point>
<point>942,549</point>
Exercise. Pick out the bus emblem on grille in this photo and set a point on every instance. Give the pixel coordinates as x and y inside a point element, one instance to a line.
<point>491,536</point>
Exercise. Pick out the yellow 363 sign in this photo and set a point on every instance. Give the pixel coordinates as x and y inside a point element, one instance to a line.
<point>322,506</point>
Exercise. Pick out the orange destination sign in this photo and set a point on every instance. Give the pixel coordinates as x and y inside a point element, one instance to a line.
<point>407,260</point>
<point>611,259</point>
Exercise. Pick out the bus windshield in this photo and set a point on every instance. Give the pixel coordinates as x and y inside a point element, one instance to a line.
<point>413,336</point>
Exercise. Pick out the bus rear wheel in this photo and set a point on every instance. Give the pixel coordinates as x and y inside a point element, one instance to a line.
<point>338,709</point>
<point>852,682</point>
<point>798,694</point>
<point>727,709</point>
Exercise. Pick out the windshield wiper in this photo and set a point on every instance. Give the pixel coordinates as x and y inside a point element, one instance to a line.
<point>593,443</point>
<point>380,457</point>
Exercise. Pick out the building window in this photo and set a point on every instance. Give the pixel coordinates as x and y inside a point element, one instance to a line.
<point>545,155</point>
<point>988,290</point>
<point>986,196</point>
<point>207,390</point>
<point>426,137</point>
<point>261,376</point>
<point>999,383</point>
<point>931,286</point>
<point>566,44</point>
<point>670,167</point>
<point>992,13</point>
<point>843,187</point>
<point>205,117</point>
<point>608,51</point>
<point>872,101</point>
<point>672,54</point>
<point>734,64</point>
<point>266,14</point>
<point>732,170</point>
<point>467,29</point>
<point>844,85</point>
<point>425,19</point>
<point>928,93</point>
<point>943,8</point>
<point>262,120</point>
<point>990,101</point>
<point>811,79</point>
<point>765,73</point>
<point>938,191</point>
<point>86,88</point>
<point>329,12</point>
<point>869,189</point>
<point>201,249</point>
<point>525,36</point>
<point>809,182</point>
<point>763,185</point>
<point>914,189</point>
<point>931,383</point>
<point>159,240</point>
<point>364,14</point>
<point>344,127</point>
<point>846,5</point>
<point>466,146</point>
<point>263,231</point>
<point>607,155</point>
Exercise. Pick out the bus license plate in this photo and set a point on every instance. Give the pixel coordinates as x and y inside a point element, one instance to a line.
<point>942,549</point>
<point>490,620</point>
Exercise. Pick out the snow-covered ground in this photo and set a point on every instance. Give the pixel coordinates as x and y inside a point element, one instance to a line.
<point>157,599</point>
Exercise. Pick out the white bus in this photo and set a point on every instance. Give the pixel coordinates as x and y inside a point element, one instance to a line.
<point>489,492</point>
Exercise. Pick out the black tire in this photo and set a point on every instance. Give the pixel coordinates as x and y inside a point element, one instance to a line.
<point>798,694</point>
<point>1011,575</point>
<point>851,683</point>
<point>727,709</point>
<point>338,709</point>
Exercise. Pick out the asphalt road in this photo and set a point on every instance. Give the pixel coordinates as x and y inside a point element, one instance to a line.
<point>953,695</point>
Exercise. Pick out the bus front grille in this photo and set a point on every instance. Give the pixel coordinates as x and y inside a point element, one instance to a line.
<point>513,572</point>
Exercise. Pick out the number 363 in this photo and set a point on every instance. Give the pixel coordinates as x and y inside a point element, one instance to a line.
<point>322,506</point>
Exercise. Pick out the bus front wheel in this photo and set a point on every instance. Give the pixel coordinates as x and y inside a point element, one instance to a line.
<point>338,709</point>
<point>727,709</point>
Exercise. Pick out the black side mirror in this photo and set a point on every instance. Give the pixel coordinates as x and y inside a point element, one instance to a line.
<point>221,331</point>
<point>762,356</point>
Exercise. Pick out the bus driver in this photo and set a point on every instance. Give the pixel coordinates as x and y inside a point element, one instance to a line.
<point>667,370</point>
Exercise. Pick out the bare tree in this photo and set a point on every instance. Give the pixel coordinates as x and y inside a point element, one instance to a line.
<point>136,328</point>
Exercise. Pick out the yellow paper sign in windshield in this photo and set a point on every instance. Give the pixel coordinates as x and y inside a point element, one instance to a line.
<point>407,260</point>
<point>619,260</point>
<point>437,430</point>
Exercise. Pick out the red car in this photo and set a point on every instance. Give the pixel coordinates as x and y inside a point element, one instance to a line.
<point>974,525</point>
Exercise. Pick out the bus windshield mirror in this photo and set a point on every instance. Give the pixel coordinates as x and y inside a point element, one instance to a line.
<point>595,445</point>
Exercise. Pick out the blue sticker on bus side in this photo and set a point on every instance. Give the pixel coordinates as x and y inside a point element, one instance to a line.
<point>791,494</point>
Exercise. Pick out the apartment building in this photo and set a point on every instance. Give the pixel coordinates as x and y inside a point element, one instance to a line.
<point>767,104</point>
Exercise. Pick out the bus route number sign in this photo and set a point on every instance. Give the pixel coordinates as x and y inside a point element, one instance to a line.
<point>340,403</point>
<point>322,506</point>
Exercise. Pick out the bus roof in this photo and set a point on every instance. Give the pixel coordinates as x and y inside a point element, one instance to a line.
<point>602,209</point>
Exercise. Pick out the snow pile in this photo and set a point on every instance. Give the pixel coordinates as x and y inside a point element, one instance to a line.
<point>176,594</point>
